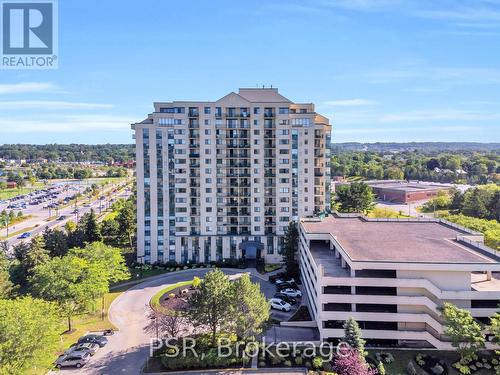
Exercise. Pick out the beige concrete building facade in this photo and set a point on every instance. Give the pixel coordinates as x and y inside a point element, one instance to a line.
<point>221,180</point>
<point>392,277</point>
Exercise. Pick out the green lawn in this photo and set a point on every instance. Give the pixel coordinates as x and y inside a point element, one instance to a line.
<point>83,324</point>
<point>10,193</point>
<point>155,301</point>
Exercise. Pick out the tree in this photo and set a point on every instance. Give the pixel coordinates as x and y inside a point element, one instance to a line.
<point>352,336</point>
<point>350,362</point>
<point>494,327</point>
<point>91,228</point>
<point>29,256</point>
<point>165,323</point>
<point>476,202</point>
<point>56,242</point>
<point>464,331</point>
<point>290,248</point>
<point>355,197</point>
<point>71,282</point>
<point>432,163</point>
<point>28,334</point>
<point>210,304</point>
<point>127,223</point>
<point>494,206</point>
<point>109,257</point>
<point>6,286</point>
<point>381,369</point>
<point>250,307</point>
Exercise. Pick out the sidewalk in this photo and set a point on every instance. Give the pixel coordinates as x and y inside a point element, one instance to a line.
<point>267,371</point>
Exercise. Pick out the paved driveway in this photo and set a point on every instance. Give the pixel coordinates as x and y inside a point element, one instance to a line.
<point>128,349</point>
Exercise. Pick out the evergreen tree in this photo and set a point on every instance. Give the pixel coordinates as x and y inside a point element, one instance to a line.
<point>352,336</point>
<point>210,305</point>
<point>250,307</point>
<point>56,242</point>
<point>127,223</point>
<point>29,255</point>
<point>290,248</point>
<point>91,228</point>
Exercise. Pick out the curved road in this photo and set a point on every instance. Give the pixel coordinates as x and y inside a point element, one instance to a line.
<point>128,348</point>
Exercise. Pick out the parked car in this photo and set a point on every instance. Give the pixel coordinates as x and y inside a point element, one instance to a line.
<point>73,360</point>
<point>287,286</point>
<point>291,292</point>
<point>279,304</point>
<point>281,281</point>
<point>284,297</point>
<point>89,347</point>
<point>62,217</point>
<point>24,235</point>
<point>95,339</point>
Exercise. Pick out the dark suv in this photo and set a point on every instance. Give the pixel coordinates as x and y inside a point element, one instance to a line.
<point>95,339</point>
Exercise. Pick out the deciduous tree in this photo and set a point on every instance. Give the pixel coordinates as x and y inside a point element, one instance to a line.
<point>28,334</point>
<point>464,331</point>
<point>71,282</point>
<point>355,197</point>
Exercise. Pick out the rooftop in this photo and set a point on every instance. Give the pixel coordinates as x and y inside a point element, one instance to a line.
<point>407,186</point>
<point>262,95</point>
<point>398,241</point>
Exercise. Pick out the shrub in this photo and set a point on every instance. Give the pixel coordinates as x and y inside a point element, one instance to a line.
<point>262,364</point>
<point>381,369</point>
<point>299,361</point>
<point>308,364</point>
<point>317,362</point>
<point>287,363</point>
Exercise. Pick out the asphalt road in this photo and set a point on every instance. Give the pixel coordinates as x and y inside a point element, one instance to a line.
<point>128,349</point>
<point>40,214</point>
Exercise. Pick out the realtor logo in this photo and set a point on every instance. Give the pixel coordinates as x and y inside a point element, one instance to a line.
<point>29,34</point>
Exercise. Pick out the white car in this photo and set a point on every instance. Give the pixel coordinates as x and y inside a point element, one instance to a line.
<point>89,347</point>
<point>291,292</point>
<point>279,304</point>
<point>281,281</point>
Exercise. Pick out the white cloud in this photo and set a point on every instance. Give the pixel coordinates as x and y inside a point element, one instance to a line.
<point>50,105</point>
<point>349,102</point>
<point>27,87</point>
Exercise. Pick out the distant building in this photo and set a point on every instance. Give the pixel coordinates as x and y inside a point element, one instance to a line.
<point>397,191</point>
<point>393,277</point>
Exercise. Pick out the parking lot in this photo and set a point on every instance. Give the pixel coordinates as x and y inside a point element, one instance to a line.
<point>51,207</point>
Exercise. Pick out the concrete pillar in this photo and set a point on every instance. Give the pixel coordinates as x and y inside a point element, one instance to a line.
<point>488,275</point>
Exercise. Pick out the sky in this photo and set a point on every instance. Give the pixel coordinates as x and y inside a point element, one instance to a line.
<point>381,70</point>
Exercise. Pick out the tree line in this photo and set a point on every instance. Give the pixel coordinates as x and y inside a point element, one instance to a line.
<point>69,153</point>
<point>446,167</point>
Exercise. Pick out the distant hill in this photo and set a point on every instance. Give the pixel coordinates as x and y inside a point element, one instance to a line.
<point>416,146</point>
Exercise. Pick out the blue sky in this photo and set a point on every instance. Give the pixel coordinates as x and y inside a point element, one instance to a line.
<point>382,70</point>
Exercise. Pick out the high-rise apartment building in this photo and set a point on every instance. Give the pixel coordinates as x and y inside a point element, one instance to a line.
<point>219,180</point>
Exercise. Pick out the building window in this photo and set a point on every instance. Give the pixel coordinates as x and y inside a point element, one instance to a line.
<point>206,110</point>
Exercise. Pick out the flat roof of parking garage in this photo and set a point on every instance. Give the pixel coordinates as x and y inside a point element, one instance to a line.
<point>402,241</point>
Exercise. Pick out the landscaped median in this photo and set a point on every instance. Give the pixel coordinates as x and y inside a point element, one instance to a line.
<point>156,299</point>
